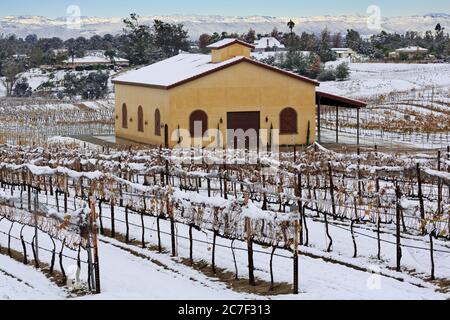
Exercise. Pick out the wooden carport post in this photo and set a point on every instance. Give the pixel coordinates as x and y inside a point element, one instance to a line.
<point>318,119</point>
<point>337,124</point>
<point>357,126</point>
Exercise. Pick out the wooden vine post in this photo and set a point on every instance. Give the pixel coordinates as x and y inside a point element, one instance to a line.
<point>93,222</point>
<point>448,221</point>
<point>377,183</point>
<point>333,207</point>
<point>432,234</point>
<point>300,206</point>
<point>248,230</point>
<point>113,220</point>
<point>420,194</point>
<point>439,204</point>
<point>296,243</point>
<point>172,222</point>
<point>397,226</point>
<point>251,276</point>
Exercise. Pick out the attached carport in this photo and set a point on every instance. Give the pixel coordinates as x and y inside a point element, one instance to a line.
<point>328,99</point>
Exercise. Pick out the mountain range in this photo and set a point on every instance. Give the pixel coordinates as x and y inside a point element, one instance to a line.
<point>198,24</point>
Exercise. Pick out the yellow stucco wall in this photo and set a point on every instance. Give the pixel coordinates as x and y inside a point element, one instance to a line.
<point>150,99</point>
<point>246,87</point>
<point>242,87</point>
<point>229,52</point>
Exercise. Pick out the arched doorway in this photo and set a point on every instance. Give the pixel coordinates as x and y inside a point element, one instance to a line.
<point>198,117</point>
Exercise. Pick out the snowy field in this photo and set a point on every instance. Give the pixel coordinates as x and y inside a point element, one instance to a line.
<point>408,104</point>
<point>372,79</point>
<point>130,272</point>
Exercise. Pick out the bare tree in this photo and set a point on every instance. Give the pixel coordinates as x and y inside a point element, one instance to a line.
<point>11,69</point>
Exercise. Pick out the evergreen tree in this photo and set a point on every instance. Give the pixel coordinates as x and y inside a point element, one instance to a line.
<point>170,38</point>
<point>138,42</point>
<point>22,88</point>
<point>342,71</point>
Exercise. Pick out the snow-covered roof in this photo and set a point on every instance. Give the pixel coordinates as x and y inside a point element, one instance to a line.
<point>341,49</point>
<point>412,49</point>
<point>227,42</point>
<point>96,56</point>
<point>268,42</point>
<point>185,67</point>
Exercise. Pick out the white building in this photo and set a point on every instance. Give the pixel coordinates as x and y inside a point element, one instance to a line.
<point>409,53</point>
<point>95,57</point>
<point>268,44</point>
<point>344,53</point>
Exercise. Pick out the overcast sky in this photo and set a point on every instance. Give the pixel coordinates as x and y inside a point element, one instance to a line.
<point>284,8</point>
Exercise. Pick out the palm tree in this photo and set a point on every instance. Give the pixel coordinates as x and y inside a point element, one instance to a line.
<point>291,25</point>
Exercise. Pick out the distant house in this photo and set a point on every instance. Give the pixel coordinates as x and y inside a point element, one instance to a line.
<point>344,53</point>
<point>95,58</point>
<point>276,55</point>
<point>409,53</point>
<point>268,44</point>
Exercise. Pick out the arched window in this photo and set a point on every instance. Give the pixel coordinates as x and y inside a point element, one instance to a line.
<point>198,118</point>
<point>140,119</point>
<point>288,121</point>
<point>157,123</point>
<point>124,116</point>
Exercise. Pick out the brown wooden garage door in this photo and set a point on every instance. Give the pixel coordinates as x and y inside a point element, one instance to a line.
<point>244,121</point>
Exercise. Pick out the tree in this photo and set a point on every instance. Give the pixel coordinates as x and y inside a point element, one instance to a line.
<point>291,26</point>
<point>324,50</point>
<point>275,33</point>
<point>111,53</point>
<point>11,69</point>
<point>308,42</point>
<point>170,38</point>
<point>31,39</point>
<point>36,57</point>
<point>22,88</point>
<point>203,42</point>
<point>327,74</point>
<point>353,40</point>
<point>137,42</point>
<point>342,71</point>
<point>250,36</point>
<point>92,86</point>
<point>215,37</point>
<point>337,40</point>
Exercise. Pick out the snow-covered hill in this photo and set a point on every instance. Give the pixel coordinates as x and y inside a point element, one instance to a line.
<point>197,24</point>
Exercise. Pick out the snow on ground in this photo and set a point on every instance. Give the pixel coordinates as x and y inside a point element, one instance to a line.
<point>125,276</point>
<point>18,281</point>
<point>369,79</point>
<point>2,89</point>
<point>130,272</point>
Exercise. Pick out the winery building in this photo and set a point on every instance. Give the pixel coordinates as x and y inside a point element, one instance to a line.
<point>223,90</point>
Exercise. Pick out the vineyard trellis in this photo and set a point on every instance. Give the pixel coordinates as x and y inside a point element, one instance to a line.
<point>75,230</point>
<point>41,119</point>
<point>418,117</point>
<point>405,195</point>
